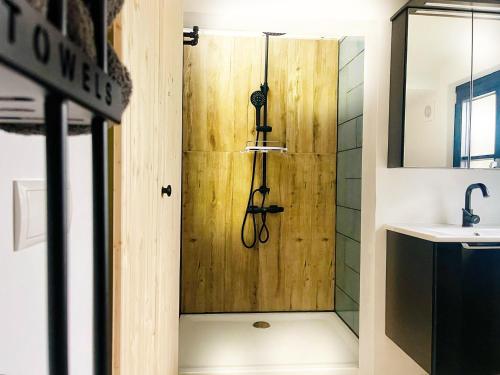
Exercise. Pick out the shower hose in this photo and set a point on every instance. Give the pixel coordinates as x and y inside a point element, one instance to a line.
<point>262,234</point>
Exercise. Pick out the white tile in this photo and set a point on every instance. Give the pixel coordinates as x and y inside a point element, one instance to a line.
<point>349,251</point>
<point>353,74</point>
<point>359,131</point>
<point>356,71</point>
<point>354,106</point>
<point>349,48</point>
<point>352,284</point>
<point>350,164</point>
<point>349,193</point>
<point>343,303</point>
<point>347,135</point>
<point>349,222</point>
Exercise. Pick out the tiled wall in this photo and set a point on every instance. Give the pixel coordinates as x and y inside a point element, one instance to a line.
<point>350,130</point>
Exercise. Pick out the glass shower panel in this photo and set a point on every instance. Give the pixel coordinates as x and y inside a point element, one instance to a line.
<point>349,151</point>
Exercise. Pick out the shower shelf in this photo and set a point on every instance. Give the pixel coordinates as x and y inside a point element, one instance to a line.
<point>265,147</point>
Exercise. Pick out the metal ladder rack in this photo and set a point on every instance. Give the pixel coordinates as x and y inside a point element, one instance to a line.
<point>34,47</point>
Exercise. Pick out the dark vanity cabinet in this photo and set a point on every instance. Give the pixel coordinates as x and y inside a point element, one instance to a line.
<point>443,304</point>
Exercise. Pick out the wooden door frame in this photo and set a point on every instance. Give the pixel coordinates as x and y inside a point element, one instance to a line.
<point>115,174</point>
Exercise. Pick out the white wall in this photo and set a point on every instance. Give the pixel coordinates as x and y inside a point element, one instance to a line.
<point>328,18</point>
<point>23,290</point>
<point>426,140</point>
<point>438,60</point>
<point>287,9</point>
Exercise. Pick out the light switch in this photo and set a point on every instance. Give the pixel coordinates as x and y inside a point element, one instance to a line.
<point>30,213</point>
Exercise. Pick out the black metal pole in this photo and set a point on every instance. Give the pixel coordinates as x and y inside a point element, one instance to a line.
<point>266,64</point>
<point>102,296</point>
<point>56,123</point>
<point>102,300</point>
<point>266,90</point>
<point>57,251</point>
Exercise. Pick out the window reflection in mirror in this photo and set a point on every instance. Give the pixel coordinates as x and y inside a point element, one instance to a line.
<point>483,132</point>
<point>438,61</point>
<point>485,116</point>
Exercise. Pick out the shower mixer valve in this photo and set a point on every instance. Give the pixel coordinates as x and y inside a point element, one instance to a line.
<point>272,209</point>
<point>264,128</point>
<point>264,190</point>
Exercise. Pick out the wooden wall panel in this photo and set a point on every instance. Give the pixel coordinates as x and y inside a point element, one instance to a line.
<point>151,153</point>
<point>299,263</point>
<point>115,173</point>
<point>218,81</point>
<point>324,109</point>
<point>208,208</point>
<point>294,270</point>
<point>278,87</point>
<point>241,267</point>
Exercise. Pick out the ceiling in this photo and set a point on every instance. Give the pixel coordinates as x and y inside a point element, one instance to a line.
<point>336,9</point>
<point>302,16</point>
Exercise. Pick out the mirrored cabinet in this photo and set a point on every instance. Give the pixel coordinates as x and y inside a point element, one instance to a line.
<point>445,85</point>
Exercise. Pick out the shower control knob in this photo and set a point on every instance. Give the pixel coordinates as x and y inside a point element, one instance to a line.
<point>274,209</point>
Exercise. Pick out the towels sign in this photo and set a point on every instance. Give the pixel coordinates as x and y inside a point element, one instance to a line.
<point>31,45</point>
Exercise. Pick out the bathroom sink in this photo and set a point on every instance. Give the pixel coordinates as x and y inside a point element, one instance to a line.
<point>448,233</point>
<point>452,231</point>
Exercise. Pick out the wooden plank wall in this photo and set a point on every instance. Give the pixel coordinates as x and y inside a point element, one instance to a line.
<point>115,175</point>
<point>294,270</point>
<point>151,153</point>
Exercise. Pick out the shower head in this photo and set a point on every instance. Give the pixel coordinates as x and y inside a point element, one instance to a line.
<point>273,34</point>
<point>258,99</point>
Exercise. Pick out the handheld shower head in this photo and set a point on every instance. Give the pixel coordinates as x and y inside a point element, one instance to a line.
<point>258,99</point>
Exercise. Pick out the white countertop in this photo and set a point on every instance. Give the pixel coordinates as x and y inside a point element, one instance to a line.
<point>447,232</point>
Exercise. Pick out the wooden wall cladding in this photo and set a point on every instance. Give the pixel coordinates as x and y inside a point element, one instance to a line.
<point>294,270</point>
<point>115,174</point>
<point>151,152</point>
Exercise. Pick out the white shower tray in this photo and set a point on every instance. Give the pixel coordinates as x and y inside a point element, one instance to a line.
<point>295,344</point>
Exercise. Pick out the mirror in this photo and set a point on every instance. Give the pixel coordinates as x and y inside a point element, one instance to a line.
<point>445,86</point>
<point>439,62</point>
<point>484,135</point>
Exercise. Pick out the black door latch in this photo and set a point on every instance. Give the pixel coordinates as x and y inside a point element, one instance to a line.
<point>166,190</point>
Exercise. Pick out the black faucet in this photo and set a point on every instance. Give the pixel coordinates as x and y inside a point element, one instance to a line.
<point>468,217</point>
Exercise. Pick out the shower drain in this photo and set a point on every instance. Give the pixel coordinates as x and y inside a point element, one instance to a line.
<point>262,325</point>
